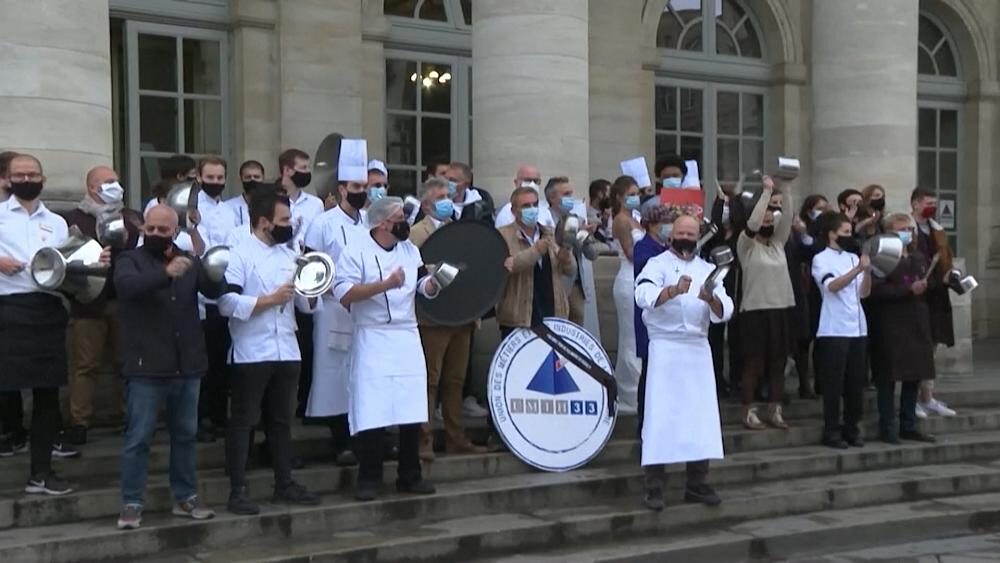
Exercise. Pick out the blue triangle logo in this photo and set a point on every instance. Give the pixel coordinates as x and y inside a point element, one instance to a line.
<point>552,378</point>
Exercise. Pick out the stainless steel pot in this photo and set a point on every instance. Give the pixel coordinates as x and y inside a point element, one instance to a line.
<point>73,269</point>
<point>314,275</point>
<point>885,251</point>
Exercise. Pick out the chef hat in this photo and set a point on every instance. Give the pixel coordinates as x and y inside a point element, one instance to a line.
<point>382,209</point>
<point>378,165</point>
<point>352,165</point>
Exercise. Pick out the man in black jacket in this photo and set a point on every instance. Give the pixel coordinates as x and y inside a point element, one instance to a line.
<point>163,361</point>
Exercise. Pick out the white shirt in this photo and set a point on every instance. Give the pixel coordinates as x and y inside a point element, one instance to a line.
<point>238,235</point>
<point>22,235</point>
<point>506,215</point>
<point>685,315</point>
<point>217,219</point>
<point>238,205</point>
<point>305,208</point>
<point>841,314</point>
<point>364,261</point>
<point>268,335</point>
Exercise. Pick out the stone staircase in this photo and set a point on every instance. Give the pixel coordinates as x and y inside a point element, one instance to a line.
<point>784,496</point>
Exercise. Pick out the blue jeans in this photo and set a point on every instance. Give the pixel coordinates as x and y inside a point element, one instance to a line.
<point>144,398</point>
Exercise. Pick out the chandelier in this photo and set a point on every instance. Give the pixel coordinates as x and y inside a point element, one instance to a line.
<point>432,78</point>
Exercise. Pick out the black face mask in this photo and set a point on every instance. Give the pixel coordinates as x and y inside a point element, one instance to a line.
<point>766,231</point>
<point>28,191</point>
<point>849,244</point>
<point>281,234</point>
<point>157,245</point>
<point>683,245</point>
<point>401,230</point>
<point>213,190</point>
<point>877,204</point>
<point>301,179</point>
<point>250,185</point>
<point>357,200</point>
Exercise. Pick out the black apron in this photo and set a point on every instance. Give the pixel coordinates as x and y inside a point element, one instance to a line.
<point>32,341</point>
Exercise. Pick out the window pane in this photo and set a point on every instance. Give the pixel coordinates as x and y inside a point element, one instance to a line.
<point>158,124</point>
<point>729,159</point>
<point>402,8</point>
<point>202,71</point>
<point>691,118</point>
<point>945,61</point>
<point>433,10</point>
<point>731,14</point>
<point>691,149</point>
<point>753,115</point>
<point>435,88</point>
<point>666,144</point>
<point>666,108</point>
<point>691,39</point>
<point>728,113</point>
<point>150,172</point>
<point>949,128</point>
<point>948,173</point>
<point>467,11</point>
<point>401,84</point>
<point>927,127</point>
<point>753,155</point>
<point>925,65</point>
<point>669,31</point>
<point>436,136</point>
<point>927,169</point>
<point>928,33</point>
<point>724,43</point>
<point>401,139</point>
<point>402,182</point>
<point>203,126</point>
<point>746,37</point>
<point>157,63</point>
<point>686,10</point>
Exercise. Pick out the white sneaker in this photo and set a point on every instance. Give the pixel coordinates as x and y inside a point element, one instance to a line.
<point>937,407</point>
<point>919,411</point>
<point>437,414</point>
<point>471,408</point>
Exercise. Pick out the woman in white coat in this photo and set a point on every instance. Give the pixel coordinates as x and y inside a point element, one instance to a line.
<point>377,280</point>
<point>681,411</point>
<point>627,231</point>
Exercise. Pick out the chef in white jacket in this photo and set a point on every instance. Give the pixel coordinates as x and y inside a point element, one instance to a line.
<point>260,304</point>
<point>333,327</point>
<point>377,280</point>
<point>681,422</point>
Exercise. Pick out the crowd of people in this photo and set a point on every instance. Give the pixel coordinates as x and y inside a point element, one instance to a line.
<point>222,357</point>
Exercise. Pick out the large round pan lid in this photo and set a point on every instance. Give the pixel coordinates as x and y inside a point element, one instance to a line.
<point>314,275</point>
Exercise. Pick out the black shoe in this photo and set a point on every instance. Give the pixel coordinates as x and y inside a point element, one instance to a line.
<point>835,443</point>
<point>703,494</point>
<point>653,499</point>
<point>61,449</point>
<point>857,442</point>
<point>19,441</point>
<point>346,458</point>
<point>76,435</point>
<point>297,462</point>
<point>419,487</point>
<point>366,491</point>
<point>6,448</point>
<point>890,439</point>
<point>240,503</point>
<point>807,394</point>
<point>49,484</point>
<point>294,493</point>
<point>917,436</point>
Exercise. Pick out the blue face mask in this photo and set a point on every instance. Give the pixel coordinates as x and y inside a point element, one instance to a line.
<point>566,203</point>
<point>529,216</point>
<point>443,209</point>
<point>664,232</point>
<point>452,188</point>
<point>632,202</point>
<point>375,194</point>
<point>671,182</point>
<point>906,237</point>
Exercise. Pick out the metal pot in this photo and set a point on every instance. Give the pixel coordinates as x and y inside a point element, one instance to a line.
<point>111,230</point>
<point>885,251</point>
<point>182,198</point>
<point>215,262</point>
<point>73,269</point>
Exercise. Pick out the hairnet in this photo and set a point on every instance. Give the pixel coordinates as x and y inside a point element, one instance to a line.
<point>382,209</point>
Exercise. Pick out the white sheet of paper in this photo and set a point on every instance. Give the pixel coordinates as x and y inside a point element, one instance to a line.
<point>636,168</point>
<point>353,163</point>
<point>693,178</point>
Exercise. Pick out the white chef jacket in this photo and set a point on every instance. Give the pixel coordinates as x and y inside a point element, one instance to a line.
<point>841,313</point>
<point>241,211</point>
<point>22,235</point>
<point>269,335</point>
<point>328,232</point>
<point>684,315</point>
<point>506,216</point>
<point>305,208</point>
<point>217,219</point>
<point>238,235</point>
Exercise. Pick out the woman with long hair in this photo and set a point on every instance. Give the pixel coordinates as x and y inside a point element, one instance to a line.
<point>871,212</point>
<point>626,231</point>
<point>799,250</point>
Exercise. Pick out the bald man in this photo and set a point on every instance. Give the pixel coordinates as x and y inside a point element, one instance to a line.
<point>163,359</point>
<point>527,176</point>
<point>94,326</point>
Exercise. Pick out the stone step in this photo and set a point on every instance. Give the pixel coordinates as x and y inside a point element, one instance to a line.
<point>620,522</point>
<point>797,469</point>
<point>98,495</point>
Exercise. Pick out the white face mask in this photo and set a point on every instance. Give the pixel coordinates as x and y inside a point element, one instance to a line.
<point>111,192</point>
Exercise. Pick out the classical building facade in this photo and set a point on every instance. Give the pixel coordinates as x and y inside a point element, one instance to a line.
<point>895,92</point>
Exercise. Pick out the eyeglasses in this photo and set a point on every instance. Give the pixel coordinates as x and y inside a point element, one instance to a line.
<point>32,177</point>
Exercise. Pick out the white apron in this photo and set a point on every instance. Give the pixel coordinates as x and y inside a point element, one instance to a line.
<point>388,378</point>
<point>681,411</point>
<point>333,333</point>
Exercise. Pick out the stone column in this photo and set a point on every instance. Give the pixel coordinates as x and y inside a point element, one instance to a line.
<point>321,70</point>
<point>864,91</point>
<point>530,91</point>
<point>255,98</point>
<point>56,88</point>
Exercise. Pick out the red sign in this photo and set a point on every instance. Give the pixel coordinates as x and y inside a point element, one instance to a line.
<point>688,200</point>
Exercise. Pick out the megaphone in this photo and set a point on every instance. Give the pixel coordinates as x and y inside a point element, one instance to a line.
<point>73,269</point>
<point>885,251</point>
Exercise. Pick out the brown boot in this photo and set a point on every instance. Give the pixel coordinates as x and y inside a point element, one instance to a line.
<point>774,417</point>
<point>426,443</point>
<point>463,447</point>
<point>751,421</point>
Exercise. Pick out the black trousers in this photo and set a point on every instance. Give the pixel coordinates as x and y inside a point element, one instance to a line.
<point>369,446</point>
<point>250,384</point>
<point>641,407</point>
<point>907,406</point>
<point>213,403</point>
<point>842,369</point>
<point>696,472</point>
<point>305,337</point>
<point>11,413</point>
<point>46,422</point>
